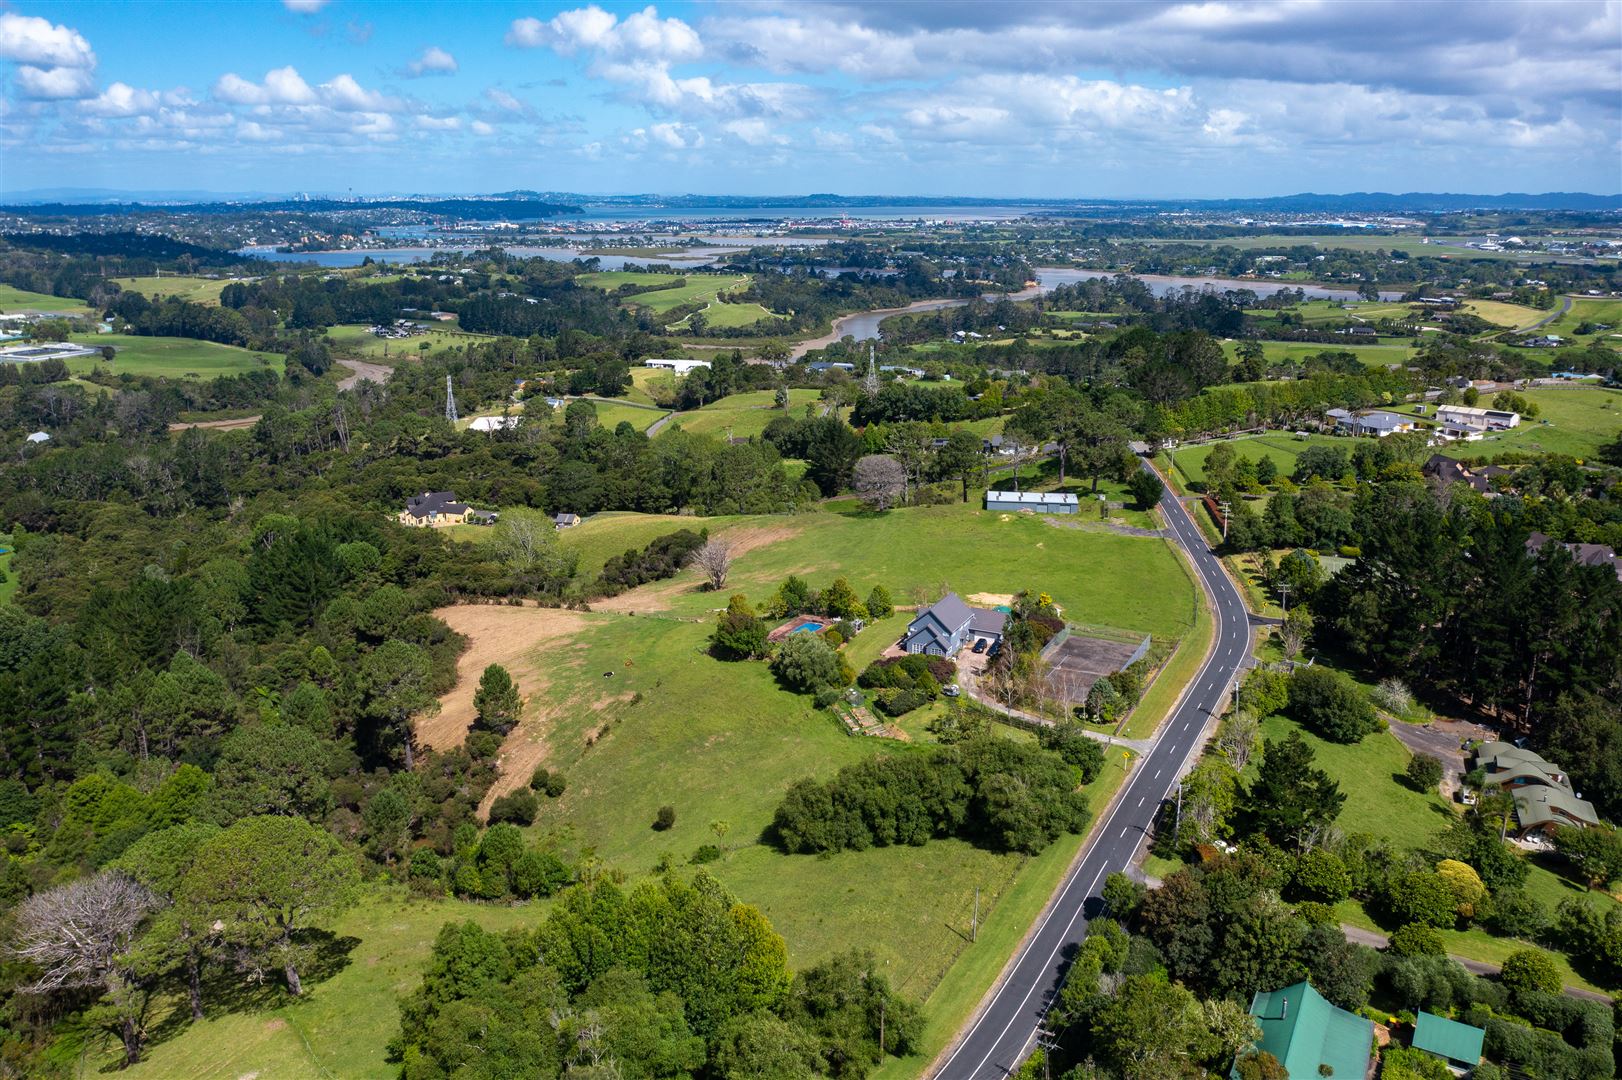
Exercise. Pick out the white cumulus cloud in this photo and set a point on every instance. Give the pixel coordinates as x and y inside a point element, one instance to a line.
<point>433,61</point>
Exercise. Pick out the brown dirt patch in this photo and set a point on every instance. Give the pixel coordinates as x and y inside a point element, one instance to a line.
<point>991,599</point>
<point>515,638</point>
<point>748,538</point>
<point>497,634</point>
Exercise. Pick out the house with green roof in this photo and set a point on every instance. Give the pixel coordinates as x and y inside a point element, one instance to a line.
<point>1456,1043</point>
<point>1544,799</point>
<point>1309,1036</point>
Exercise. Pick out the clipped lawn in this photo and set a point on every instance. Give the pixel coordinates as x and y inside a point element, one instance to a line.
<point>14,300</point>
<point>1282,447</point>
<point>340,1028</point>
<point>728,315</point>
<point>602,536</point>
<point>1376,801</point>
<point>354,340</point>
<point>169,357</point>
<point>611,416</point>
<point>1100,578</point>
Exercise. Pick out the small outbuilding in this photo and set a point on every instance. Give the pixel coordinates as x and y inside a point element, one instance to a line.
<point>1457,1044</point>
<point>565,521</point>
<point>40,437</point>
<point>1038,502</point>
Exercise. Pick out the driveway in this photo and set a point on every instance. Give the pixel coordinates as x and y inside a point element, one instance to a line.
<point>1443,740</point>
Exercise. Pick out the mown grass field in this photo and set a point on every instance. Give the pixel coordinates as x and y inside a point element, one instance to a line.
<point>1297,351</point>
<point>611,416</point>
<point>743,414</point>
<point>1513,316</point>
<point>198,290</point>
<point>13,300</point>
<point>342,1025</point>
<point>169,357</point>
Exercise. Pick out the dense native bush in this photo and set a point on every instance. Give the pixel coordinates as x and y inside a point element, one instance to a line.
<point>661,559</point>
<point>1008,796</point>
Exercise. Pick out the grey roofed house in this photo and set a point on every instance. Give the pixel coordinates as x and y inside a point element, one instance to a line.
<point>947,625</point>
<point>431,504</point>
<point>1381,423</point>
<point>1041,502</point>
<point>565,521</point>
<point>1585,554</point>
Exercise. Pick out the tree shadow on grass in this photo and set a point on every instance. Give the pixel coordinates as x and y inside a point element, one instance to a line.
<point>230,987</point>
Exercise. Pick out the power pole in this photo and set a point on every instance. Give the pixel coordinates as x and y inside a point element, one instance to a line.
<point>450,401</point>
<point>1177,829</point>
<point>1284,591</point>
<point>1224,506</point>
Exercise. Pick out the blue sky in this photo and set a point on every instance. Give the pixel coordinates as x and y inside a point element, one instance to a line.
<point>1215,98</point>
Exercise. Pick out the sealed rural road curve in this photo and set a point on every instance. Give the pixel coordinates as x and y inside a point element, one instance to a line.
<point>999,1037</point>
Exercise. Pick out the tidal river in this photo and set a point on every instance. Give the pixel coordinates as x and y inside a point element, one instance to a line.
<point>864,325</point>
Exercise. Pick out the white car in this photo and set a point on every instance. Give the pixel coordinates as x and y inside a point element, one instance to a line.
<point>951,690</point>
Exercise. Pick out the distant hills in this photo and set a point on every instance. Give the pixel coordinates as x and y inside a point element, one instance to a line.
<point>524,204</point>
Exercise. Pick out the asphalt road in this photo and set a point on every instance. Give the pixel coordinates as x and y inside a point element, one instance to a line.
<point>1000,1036</point>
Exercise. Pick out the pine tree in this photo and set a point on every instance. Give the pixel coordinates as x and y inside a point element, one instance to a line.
<point>496,700</point>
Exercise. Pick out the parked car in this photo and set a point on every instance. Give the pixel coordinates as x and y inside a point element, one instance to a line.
<point>979,645</point>
<point>951,689</point>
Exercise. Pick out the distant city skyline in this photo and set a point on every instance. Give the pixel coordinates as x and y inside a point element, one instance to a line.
<point>954,98</point>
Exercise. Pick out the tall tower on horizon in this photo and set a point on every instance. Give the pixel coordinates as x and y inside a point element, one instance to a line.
<point>870,382</point>
<point>450,401</point>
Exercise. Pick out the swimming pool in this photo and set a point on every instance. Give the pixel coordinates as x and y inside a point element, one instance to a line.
<point>806,627</point>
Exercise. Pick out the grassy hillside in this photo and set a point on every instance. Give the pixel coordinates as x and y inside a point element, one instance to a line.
<point>721,742</point>
<point>354,340</point>
<point>198,290</point>
<point>170,357</point>
<point>1591,310</point>
<point>743,414</point>
<point>13,300</point>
